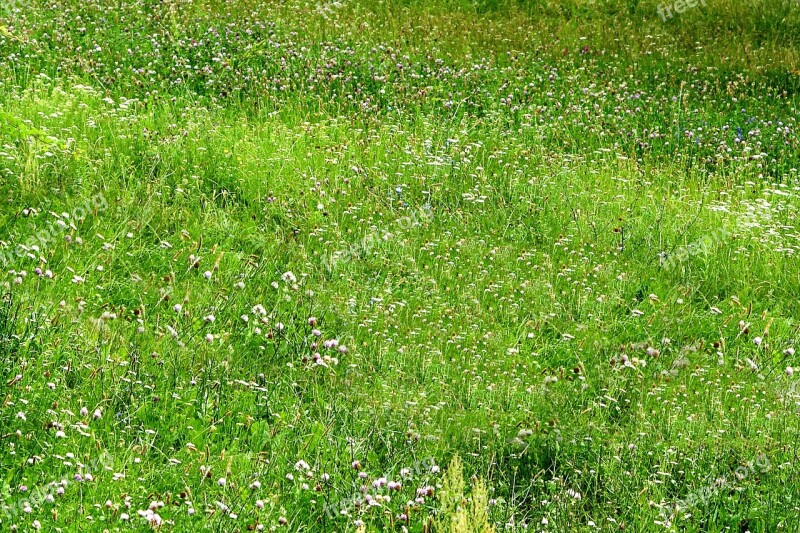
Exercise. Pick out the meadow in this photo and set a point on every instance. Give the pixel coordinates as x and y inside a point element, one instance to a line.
<point>371,265</point>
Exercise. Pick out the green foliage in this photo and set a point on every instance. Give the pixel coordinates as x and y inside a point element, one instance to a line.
<point>341,244</point>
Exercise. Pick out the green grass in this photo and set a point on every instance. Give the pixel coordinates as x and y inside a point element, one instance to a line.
<point>557,240</point>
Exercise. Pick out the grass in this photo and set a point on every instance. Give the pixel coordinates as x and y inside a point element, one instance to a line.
<point>424,266</point>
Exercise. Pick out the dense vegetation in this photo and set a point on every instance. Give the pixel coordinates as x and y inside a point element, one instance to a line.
<point>392,265</point>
